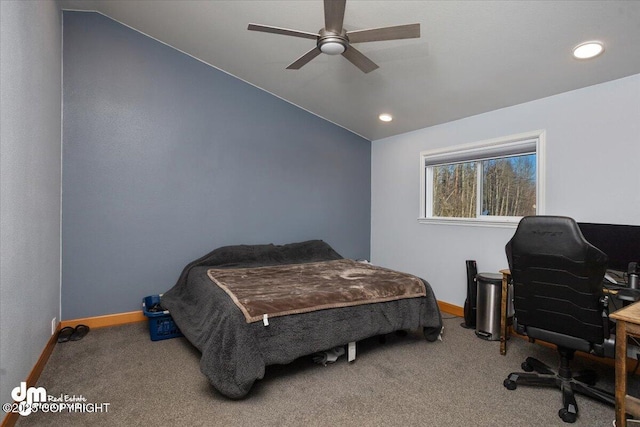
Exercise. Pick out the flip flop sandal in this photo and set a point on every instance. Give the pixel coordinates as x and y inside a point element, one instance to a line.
<point>65,334</point>
<point>79,332</point>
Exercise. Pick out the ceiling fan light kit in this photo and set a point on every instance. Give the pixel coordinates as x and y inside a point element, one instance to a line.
<point>333,48</point>
<point>332,44</point>
<point>334,40</point>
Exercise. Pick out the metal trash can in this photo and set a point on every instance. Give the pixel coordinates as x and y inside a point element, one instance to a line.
<point>488,306</point>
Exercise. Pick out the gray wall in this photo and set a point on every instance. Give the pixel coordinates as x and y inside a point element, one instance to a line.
<point>592,175</point>
<point>166,158</point>
<point>30,93</point>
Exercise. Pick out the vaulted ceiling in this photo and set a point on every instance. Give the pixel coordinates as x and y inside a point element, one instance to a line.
<point>472,56</point>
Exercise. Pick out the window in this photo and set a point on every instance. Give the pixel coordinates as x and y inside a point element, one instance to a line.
<point>490,182</point>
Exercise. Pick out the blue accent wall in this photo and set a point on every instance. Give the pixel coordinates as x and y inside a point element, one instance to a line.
<point>166,158</point>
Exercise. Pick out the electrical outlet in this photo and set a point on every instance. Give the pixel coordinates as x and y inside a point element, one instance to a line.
<point>54,325</point>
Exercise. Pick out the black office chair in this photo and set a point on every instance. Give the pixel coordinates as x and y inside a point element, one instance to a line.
<point>557,282</point>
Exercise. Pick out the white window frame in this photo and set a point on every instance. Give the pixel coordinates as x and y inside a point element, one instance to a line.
<point>504,146</point>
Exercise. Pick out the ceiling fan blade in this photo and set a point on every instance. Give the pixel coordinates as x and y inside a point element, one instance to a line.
<point>283,31</point>
<point>409,31</point>
<point>334,15</point>
<point>358,59</point>
<point>304,59</point>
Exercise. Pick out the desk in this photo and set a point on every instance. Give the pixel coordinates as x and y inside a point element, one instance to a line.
<point>628,324</point>
<point>506,277</point>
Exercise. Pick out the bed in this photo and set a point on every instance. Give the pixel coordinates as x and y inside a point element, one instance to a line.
<point>239,335</point>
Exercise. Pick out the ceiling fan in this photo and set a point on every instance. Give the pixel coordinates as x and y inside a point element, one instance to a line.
<point>334,40</point>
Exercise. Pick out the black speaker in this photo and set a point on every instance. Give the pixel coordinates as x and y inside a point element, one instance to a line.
<point>470,304</point>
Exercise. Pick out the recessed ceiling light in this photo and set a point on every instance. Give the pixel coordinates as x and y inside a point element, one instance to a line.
<point>588,50</point>
<point>385,117</point>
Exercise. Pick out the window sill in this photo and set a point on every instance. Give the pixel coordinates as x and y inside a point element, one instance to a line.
<point>473,222</point>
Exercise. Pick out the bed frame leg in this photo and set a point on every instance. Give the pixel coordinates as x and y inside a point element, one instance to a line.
<point>351,351</point>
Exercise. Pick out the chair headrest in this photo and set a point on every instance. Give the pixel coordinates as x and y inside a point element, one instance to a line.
<point>551,236</point>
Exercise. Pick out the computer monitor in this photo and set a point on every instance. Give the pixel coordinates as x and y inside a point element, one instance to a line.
<point>621,243</point>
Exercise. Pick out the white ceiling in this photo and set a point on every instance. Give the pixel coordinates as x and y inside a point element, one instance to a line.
<point>472,57</point>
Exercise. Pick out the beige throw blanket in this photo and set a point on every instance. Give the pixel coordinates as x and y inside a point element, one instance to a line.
<point>301,288</point>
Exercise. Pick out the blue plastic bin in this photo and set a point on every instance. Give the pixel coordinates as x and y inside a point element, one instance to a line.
<point>161,324</point>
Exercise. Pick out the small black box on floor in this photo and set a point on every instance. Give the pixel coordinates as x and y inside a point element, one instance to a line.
<point>161,324</point>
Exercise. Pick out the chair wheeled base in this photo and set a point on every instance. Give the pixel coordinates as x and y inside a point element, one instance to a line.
<point>582,382</point>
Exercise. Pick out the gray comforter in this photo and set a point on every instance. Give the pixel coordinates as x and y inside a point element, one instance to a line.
<point>235,353</point>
